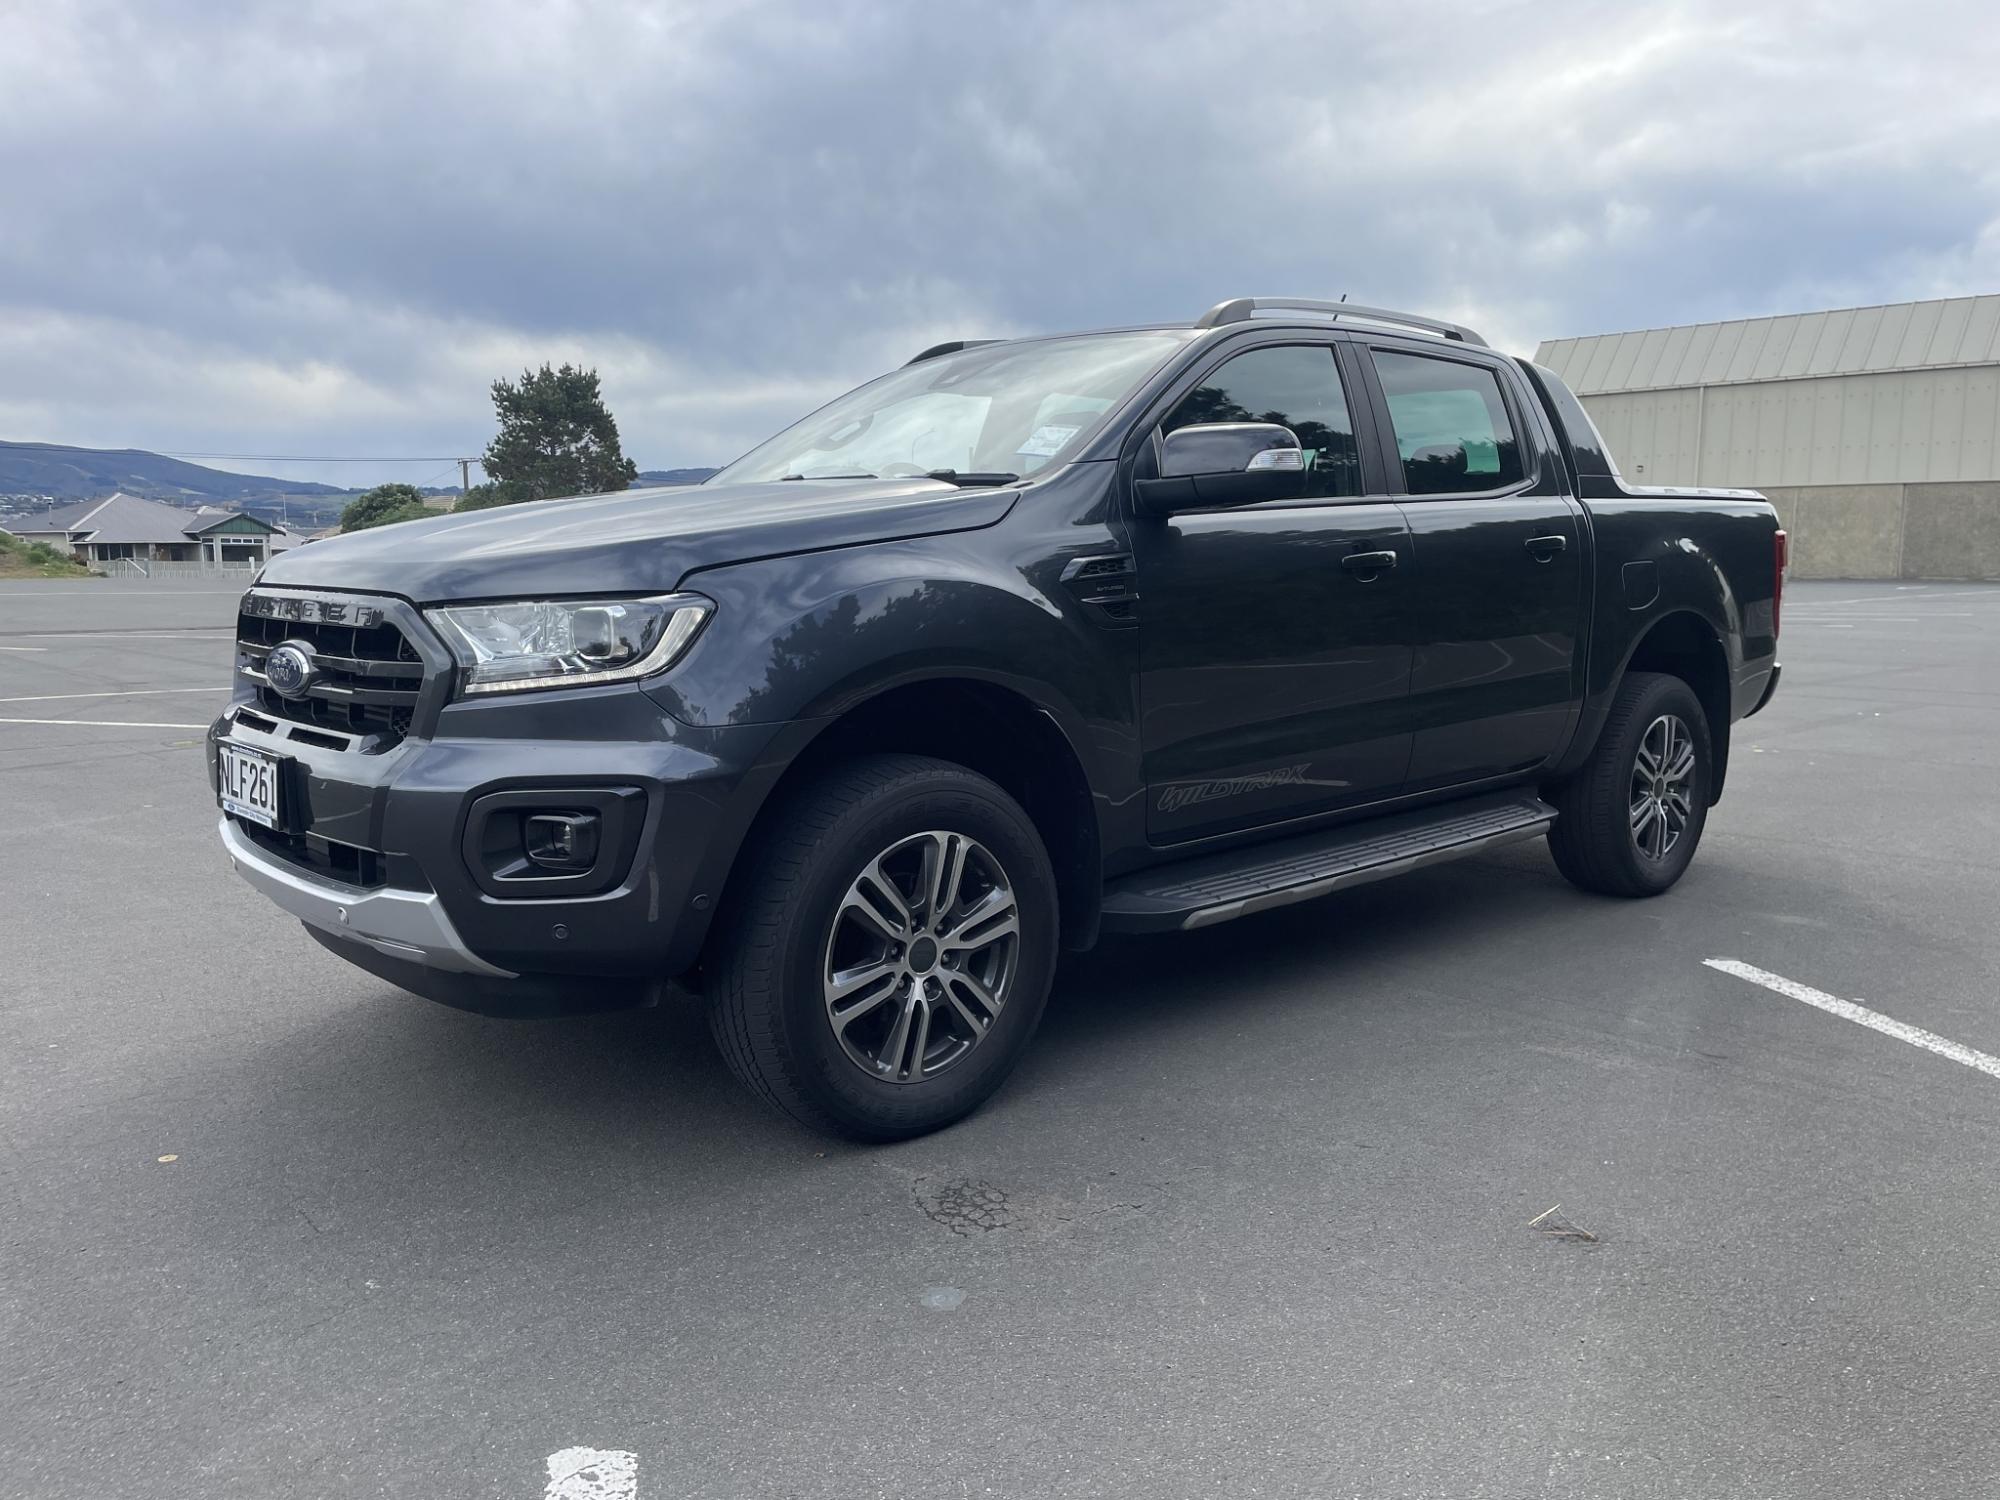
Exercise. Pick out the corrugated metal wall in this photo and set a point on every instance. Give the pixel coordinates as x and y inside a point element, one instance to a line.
<point>1902,427</point>
<point>1908,393</point>
<point>1850,341</point>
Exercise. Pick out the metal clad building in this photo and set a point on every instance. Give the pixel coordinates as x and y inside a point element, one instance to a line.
<point>1875,430</point>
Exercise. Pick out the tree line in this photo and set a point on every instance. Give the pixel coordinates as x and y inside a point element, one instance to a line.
<point>556,437</point>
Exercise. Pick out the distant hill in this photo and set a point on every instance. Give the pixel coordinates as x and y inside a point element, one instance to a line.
<point>672,476</point>
<point>85,473</point>
<point>29,471</point>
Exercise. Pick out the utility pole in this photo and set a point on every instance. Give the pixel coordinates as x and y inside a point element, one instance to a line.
<point>464,477</point>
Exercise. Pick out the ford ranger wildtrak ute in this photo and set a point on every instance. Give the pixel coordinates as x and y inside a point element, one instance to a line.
<point>1025,642</point>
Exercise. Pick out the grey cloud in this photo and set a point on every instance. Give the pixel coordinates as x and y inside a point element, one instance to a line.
<point>323,228</point>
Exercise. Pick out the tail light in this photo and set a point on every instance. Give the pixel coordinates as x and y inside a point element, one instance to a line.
<point>1781,553</point>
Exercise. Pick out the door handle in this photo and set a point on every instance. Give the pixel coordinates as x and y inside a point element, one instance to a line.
<point>1545,548</point>
<point>1369,563</point>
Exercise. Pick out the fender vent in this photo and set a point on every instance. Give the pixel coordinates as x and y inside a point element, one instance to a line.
<point>1106,585</point>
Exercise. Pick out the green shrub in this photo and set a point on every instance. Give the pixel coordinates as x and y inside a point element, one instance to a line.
<point>32,559</point>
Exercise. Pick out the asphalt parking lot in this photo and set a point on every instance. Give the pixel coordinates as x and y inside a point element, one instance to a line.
<point>1258,1218</point>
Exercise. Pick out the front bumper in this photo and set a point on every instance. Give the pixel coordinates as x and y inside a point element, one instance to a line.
<point>419,904</point>
<point>407,925</point>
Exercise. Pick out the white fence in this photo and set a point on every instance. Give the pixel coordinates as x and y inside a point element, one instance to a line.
<point>136,567</point>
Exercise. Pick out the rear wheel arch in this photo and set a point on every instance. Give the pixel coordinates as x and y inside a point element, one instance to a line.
<point>1685,645</point>
<point>1631,817</point>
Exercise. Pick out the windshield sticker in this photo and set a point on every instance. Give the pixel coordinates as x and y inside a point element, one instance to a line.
<point>1045,442</point>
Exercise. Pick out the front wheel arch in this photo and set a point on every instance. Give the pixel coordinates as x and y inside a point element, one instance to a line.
<point>986,728</point>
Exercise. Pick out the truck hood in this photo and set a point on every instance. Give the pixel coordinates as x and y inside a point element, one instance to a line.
<point>636,541</point>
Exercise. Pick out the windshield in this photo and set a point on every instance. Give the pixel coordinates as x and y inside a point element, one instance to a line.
<point>1008,409</point>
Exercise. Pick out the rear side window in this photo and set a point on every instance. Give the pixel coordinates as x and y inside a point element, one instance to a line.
<point>1451,425</point>
<point>1296,386</point>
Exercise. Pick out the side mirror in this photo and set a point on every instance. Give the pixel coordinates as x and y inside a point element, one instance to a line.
<point>1224,463</point>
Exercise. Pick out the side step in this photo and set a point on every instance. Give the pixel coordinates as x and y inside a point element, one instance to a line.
<point>1217,887</point>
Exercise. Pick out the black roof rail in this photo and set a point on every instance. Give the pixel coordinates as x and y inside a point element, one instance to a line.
<point>950,346</point>
<point>1240,309</point>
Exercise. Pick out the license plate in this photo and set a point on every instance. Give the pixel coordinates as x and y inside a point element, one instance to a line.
<point>249,784</point>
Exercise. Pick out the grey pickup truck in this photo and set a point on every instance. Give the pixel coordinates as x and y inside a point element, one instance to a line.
<point>1022,643</point>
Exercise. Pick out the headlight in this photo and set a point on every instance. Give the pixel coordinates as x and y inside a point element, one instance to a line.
<point>544,643</point>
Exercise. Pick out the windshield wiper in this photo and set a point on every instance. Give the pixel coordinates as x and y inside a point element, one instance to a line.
<point>964,481</point>
<point>783,477</point>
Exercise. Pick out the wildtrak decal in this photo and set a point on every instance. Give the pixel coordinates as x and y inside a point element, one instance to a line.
<point>1174,798</point>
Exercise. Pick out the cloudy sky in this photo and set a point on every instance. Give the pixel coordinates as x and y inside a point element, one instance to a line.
<point>324,228</point>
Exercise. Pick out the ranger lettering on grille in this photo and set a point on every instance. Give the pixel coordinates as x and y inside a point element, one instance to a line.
<point>302,607</point>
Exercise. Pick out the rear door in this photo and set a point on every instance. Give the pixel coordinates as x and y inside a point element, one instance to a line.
<point>1274,672</point>
<point>1496,590</point>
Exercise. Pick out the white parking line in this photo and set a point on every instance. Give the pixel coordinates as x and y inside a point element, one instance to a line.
<point>1848,622</point>
<point>24,648</point>
<point>188,634</point>
<point>103,724</point>
<point>1860,1015</point>
<point>592,1474</point>
<point>1809,602</point>
<point>120,693</point>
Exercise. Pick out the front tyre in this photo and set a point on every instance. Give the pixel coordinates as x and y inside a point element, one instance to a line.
<point>889,955</point>
<point>1633,815</point>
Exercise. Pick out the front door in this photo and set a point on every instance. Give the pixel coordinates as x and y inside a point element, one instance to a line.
<point>1274,673</point>
<point>1497,580</point>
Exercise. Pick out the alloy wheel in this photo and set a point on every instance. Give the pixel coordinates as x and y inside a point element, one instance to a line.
<point>1662,786</point>
<point>921,956</point>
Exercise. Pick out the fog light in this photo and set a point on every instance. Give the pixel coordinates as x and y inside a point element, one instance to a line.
<point>562,841</point>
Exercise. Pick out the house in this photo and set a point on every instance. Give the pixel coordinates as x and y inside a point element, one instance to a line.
<point>127,526</point>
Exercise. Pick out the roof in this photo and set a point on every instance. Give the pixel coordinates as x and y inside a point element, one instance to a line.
<point>208,517</point>
<point>1943,334</point>
<point>131,518</point>
<point>64,518</point>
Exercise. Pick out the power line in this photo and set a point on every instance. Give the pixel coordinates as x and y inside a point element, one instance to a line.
<point>444,473</point>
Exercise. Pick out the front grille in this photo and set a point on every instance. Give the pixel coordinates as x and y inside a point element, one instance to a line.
<point>301,733</point>
<point>366,681</point>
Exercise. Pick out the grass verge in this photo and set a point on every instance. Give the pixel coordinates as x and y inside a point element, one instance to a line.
<point>19,559</point>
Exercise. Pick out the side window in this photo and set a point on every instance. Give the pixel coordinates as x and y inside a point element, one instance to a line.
<point>1295,385</point>
<point>1451,425</point>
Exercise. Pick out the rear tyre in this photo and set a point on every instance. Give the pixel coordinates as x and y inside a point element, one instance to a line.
<point>889,954</point>
<point>1632,816</point>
